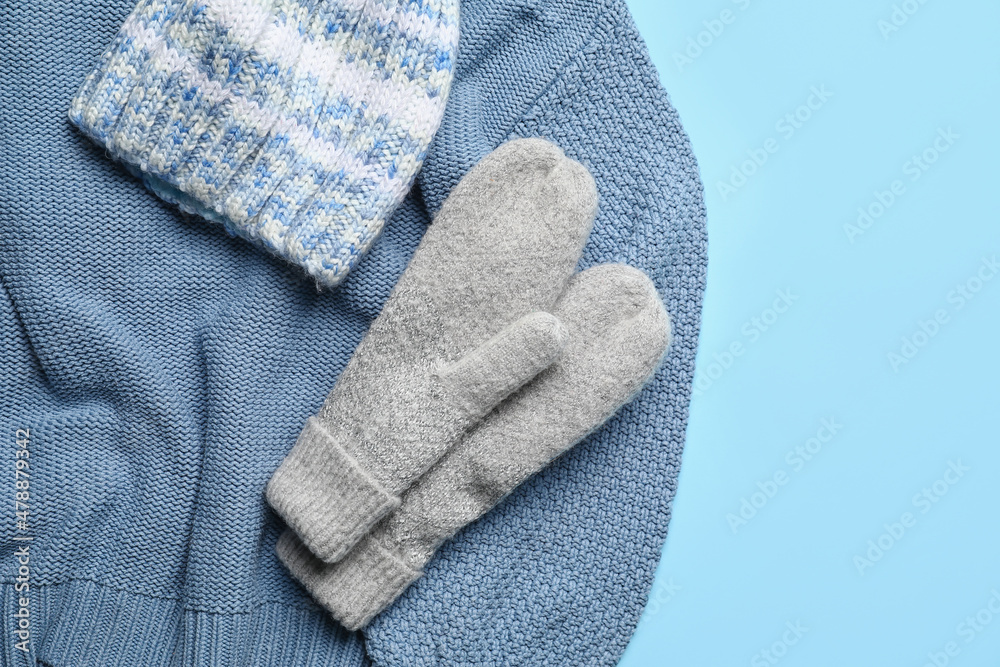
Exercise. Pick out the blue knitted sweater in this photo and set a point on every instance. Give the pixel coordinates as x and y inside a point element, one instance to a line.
<point>154,372</point>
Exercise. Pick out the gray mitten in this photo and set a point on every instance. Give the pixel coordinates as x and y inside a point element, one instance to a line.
<point>462,329</point>
<point>618,334</point>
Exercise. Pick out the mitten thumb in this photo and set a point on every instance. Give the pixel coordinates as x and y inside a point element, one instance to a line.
<point>488,374</point>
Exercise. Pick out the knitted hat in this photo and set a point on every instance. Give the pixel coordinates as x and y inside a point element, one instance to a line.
<point>297,124</point>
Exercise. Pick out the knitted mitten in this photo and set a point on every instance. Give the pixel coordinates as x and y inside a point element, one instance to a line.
<point>298,124</point>
<point>618,332</point>
<point>459,332</point>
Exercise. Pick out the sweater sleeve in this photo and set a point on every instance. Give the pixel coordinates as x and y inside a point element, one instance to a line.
<point>558,574</point>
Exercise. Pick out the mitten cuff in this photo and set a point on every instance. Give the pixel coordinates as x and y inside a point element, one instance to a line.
<point>299,127</point>
<point>325,496</point>
<point>357,588</point>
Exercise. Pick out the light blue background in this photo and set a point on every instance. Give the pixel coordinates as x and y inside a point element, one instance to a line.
<point>722,598</point>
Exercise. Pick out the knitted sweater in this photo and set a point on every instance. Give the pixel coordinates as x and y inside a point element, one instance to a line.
<point>156,371</point>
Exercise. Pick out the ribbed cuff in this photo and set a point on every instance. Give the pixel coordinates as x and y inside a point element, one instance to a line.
<point>325,496</point>
<point>357,588</point>
<point>81,623</point>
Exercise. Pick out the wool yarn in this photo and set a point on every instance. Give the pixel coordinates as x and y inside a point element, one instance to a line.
<point>617,332</point>
<point>297,124</point>
<point>164,371</point>
<point>465,326</point>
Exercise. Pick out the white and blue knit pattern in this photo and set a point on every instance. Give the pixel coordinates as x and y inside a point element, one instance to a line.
<point>298,124</point>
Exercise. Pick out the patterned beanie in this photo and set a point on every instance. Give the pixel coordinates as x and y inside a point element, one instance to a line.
<point>297,124</point>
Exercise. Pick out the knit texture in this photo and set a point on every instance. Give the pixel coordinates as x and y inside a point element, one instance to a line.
<point>298,124</point>
<point>165,370</point>
<point>618,332</point>
<point>355,588</point>
<point>463,328</point>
